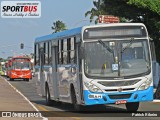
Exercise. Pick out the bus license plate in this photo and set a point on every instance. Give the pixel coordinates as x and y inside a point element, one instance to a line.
<point>120,102</point>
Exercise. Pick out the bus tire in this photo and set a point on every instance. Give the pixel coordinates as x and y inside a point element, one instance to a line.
<point>11,79</point>
<point>132,106</point>
<point>27,79</point>
<point>74,101</point>
<point>48,99</point>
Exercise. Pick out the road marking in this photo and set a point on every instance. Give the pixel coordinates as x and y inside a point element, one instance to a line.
<point>56,114</point>
<point>44,118</point>
<point>42,108</point>
<point>156,101</point>
<point>76,118</point>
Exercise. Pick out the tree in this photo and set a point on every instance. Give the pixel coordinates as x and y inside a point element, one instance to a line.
<point>153,23</point>
<point>143,11</point>
<point>153,5</point>
<point>96,11</point>
<point>58,26</point>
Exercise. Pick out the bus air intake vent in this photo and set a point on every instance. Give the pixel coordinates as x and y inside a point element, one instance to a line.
<point>115,90</point>
<point>119,83</point>
<point>122,96</point>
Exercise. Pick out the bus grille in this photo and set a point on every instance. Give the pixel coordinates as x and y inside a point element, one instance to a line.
<point>122,96</point>
<point>115,90</point>
<point>119,83</point>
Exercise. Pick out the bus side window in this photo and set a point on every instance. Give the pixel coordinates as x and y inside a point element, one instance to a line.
<point>36,56</point>
<point>49,53</point>
<point>46,52</point>
<point>41,54</point>
<point>42,57</point>
<point>73,50</point>
<point>68,50</point>
<point>59,52</point>
<point>65,51</point>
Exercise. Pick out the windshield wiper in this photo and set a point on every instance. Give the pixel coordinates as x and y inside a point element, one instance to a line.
<point>128,45</point>
<point>105,46</point>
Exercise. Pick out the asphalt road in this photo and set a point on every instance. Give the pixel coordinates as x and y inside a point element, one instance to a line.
<point>111,112</point>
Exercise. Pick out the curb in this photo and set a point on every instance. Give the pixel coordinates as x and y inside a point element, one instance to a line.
<point>34,107</point>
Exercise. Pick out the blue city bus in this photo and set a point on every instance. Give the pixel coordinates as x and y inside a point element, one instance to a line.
<point>95,65</point>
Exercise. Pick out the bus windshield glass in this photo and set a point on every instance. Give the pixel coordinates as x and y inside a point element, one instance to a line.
<point>21,65</point>
<point>129,58</point>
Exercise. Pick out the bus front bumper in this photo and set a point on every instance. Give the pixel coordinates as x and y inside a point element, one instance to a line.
<point>21,76</point>
<point>111,98</point>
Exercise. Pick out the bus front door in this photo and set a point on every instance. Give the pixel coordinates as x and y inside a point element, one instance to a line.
<point>54,73</point>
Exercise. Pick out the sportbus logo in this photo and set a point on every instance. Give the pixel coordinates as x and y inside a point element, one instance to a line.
<point>20,9</point>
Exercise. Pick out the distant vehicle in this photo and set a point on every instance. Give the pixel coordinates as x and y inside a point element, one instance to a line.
<point>19,68</point>
<point>93,65</point>
<point>7,68</point>
<point>2,69</point>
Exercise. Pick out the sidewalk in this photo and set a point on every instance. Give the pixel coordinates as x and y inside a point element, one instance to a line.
<point>12,100</point>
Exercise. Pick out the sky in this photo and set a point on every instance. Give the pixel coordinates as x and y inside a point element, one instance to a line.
<point>14,31</point>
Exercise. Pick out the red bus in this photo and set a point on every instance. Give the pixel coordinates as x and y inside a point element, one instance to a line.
<point>19,68</point>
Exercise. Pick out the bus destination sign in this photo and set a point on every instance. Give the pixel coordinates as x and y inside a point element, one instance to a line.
<point>108,19</point>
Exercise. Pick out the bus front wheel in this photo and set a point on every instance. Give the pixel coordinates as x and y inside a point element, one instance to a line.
<point>11,79</point>
<point>26,79</point>
<point>132,107</point>
<point>74,101</point>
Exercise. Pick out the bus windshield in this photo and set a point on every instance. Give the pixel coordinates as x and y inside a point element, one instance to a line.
<point>21,65</point>
<point>129,58</point>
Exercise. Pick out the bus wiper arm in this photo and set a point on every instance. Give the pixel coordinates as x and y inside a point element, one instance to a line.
<point>105,46</point>
<point>128,45</point>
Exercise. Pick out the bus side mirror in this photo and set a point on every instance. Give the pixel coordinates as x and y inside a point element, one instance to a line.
<point>150,39</point>
<point>81,53</point>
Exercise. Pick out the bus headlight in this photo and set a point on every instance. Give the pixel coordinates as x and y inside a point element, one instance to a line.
<point>92,87</point>
<point>145,85</point>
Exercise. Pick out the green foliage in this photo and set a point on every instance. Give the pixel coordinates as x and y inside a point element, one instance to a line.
<point>96,11</point>
<point>58,26</point>
<point>143,11</point>
<point>153,5</point>
<point>152,19</point>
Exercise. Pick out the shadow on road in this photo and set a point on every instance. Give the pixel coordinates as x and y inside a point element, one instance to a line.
<point>63,109</point>
<point>69,107</point>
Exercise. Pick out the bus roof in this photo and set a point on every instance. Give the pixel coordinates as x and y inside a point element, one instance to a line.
<point>64,33</point>
<point>25,58</point>
<point>78,30</point>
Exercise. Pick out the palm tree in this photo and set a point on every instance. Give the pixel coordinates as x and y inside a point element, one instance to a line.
<point>58,26</point>
<point>96,11</point>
